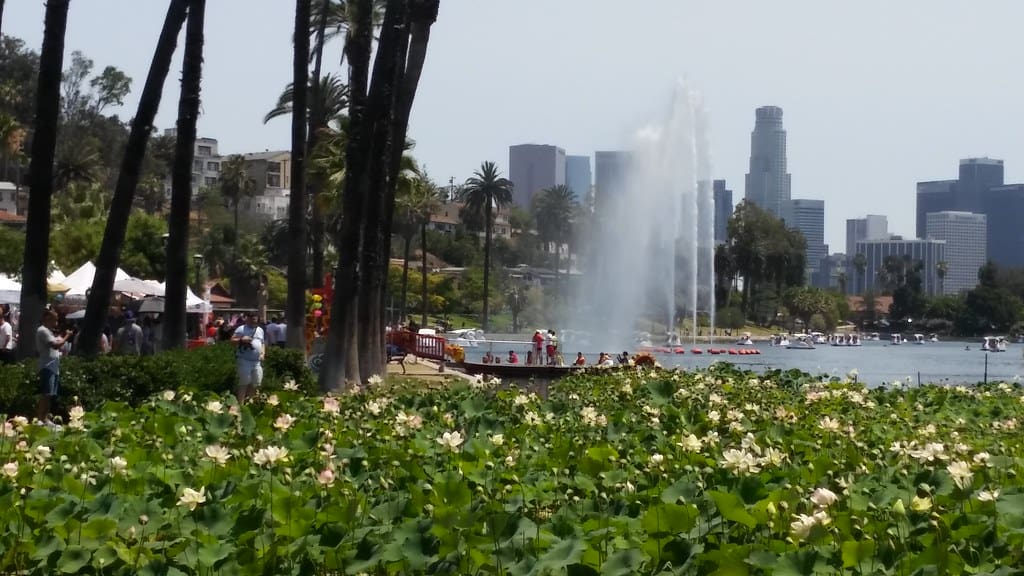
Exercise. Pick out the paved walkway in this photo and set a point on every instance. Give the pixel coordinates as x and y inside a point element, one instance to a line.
<point>424,370</point>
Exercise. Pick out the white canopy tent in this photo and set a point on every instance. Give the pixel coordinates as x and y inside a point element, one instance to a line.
<point>10,291</point>
<point>79,281</point>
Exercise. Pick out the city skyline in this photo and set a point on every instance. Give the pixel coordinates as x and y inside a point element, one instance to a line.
<point>864,124</point>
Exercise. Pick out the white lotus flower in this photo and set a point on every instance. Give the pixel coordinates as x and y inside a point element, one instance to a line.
<point>829,424</point>
<point>11,470</point>
<point>988,495</point>
<point>451,440</point>
<point>657,459</point>
<point>76,413</point>
<point>802,525</point>
<point>291,386</point>
<point>919,504</point>
<point>168,395</point>
<point>218,454</point>
<point>690,443</point>
<point>739,462</point>
<point>118,465</point>
<point>374,407</point>
<point>498,439</point>
<point>214,406</point>
<point>961,474</point>
<point>270,456</point>
<point>374,380</point>
<point>823,497</point>
<point>331,405</point>
<point>284,422</point>
<point>20,421</point>
<point>42,453</point>
<point>191,498</point>
<point>272,400</point>
<point>982,458</point>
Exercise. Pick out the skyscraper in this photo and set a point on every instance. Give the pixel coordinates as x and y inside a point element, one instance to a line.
<point>965,234</point>
<point>808,217</point>
<point>611,173</point>
<point>928,252</point>
<point>871,227</point>
<point>768,185</point>
<point>723,210</point>
<point>977,176</point>
<point>578,176</point>
<point>1004,207</point>
<point>935,196</point>
<point>532,168</point>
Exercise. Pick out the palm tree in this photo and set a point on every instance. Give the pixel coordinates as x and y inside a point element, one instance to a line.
<point>422,200</point>
<point>482,193</point>
<point>128,178</point>
<point>554,210</point>
<point>235,183</point>
<point>860,262</point>
<point>44,146</point>
<point>332,101</point>
<point>174,326</point>
<point>295,307</point>
<point>940,270</point>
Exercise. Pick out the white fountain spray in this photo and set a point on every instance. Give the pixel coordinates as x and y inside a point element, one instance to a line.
<point>652,245</point>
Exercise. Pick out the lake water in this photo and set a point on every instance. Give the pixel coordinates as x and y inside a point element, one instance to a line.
<point>875,362</point>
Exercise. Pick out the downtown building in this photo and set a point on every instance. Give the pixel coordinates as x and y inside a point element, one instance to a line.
<point>927,252</point>
<point>980,189</point>
<point>871,227</point>
<point>611,176</point>
<point>808,218</point>
<point>965,234</point>
<point>578,177</point>
<point>768,185</point>
<point>533,168</point>
<point>723,210</point>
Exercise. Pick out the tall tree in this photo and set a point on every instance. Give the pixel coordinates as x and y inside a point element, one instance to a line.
<point>128,179</point>
<point>318,119</point>
<point>860,262</point>
<point>44,146</point>
<point>482,193</point>
<point>174,324</point>
<point>1,14</point>
<point>379,120</point>
<point>235,185</point>
<point>295,309</point>
<point>554,210</point>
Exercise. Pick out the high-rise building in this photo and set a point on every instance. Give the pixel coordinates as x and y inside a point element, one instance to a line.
<point>977,175</point>
<point>577,176</point>
<point>965,234</point>
<point>611,175</point>
<point>928,252</point>
<point>723,210</point>
<point>935,196</point>
<point>808,217</point>
<point>532,168</point>
<point>871,227</point>
<point>1004,207</point>
<point>767,184</point>
<point>205,163</point>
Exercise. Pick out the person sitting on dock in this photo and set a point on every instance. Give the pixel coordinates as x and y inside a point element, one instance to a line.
<point>513,358</point>
<point>623,358</point>
<point>488,358</point>
<point>580,360</point>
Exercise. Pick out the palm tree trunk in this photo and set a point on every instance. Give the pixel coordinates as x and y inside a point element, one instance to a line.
<point>317,122</point>
<point>405,276</point>
<point>128,179</point>
<point>388,69</point>
<point>174,321</point>
<point>487,266</point>
<point>295,309</point>
<point>234,244</point>
<point>1,14</point>
<point>424,302</point>
<point>341,359</point>
<point>44,145</point>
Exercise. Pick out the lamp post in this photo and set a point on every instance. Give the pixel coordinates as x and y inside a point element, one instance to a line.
<point>197,259</point>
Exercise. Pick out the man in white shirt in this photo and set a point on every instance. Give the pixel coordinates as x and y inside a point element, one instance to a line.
<point>6,341</point>
<point>272,332</point>
<point>48,346</point>
<point>250,341</point>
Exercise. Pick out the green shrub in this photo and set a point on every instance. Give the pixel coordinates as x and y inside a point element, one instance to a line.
<point>134,379</point>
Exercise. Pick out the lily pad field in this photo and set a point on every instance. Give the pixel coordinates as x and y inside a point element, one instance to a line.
<point>621,472</point>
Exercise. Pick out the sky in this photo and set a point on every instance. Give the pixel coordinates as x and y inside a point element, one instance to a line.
<point>877,94</point>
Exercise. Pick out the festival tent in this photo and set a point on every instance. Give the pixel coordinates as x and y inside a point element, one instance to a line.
<point>10,291</point>
<point>193,303</point>
<point>79,281</point>
<point>138,287</point>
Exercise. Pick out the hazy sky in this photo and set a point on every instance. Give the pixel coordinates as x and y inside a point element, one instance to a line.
<point>877,94</point>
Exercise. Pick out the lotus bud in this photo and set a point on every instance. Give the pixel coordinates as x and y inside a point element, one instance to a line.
<point>771,509</point>
<point>898,508</point>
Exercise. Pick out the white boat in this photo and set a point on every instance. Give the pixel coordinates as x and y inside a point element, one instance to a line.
<point>802,342</point>
<point>845,340</point>
<point>818,338</point>
<point>874,337</point>
<point>672,339</point>
<point>779,340</point>
<point>994,344</point>
<point>933,337</point>
<point>465,337</point>
<point>897,339</point>
<point>745,340</point>
<point>919,339</point>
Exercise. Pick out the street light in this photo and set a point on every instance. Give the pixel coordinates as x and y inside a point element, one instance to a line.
<point>197,259</point>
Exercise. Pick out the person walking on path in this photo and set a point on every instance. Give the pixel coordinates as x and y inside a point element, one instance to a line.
<point>6,341</point>
<point>48,345</point>
<point>249,339</point>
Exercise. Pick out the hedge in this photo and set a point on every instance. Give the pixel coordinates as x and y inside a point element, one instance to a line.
<point>134,379</point>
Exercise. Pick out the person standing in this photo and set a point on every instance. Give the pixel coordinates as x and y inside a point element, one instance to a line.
<point>48,345</point>
<point>6,341</point>
<point>249,339</point>
<point>272,332</point>
<point>282,333</point>
<point>538,347</point>
<point>129,337</point>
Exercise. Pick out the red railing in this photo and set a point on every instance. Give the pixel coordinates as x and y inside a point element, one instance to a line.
<point>419,345</point>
